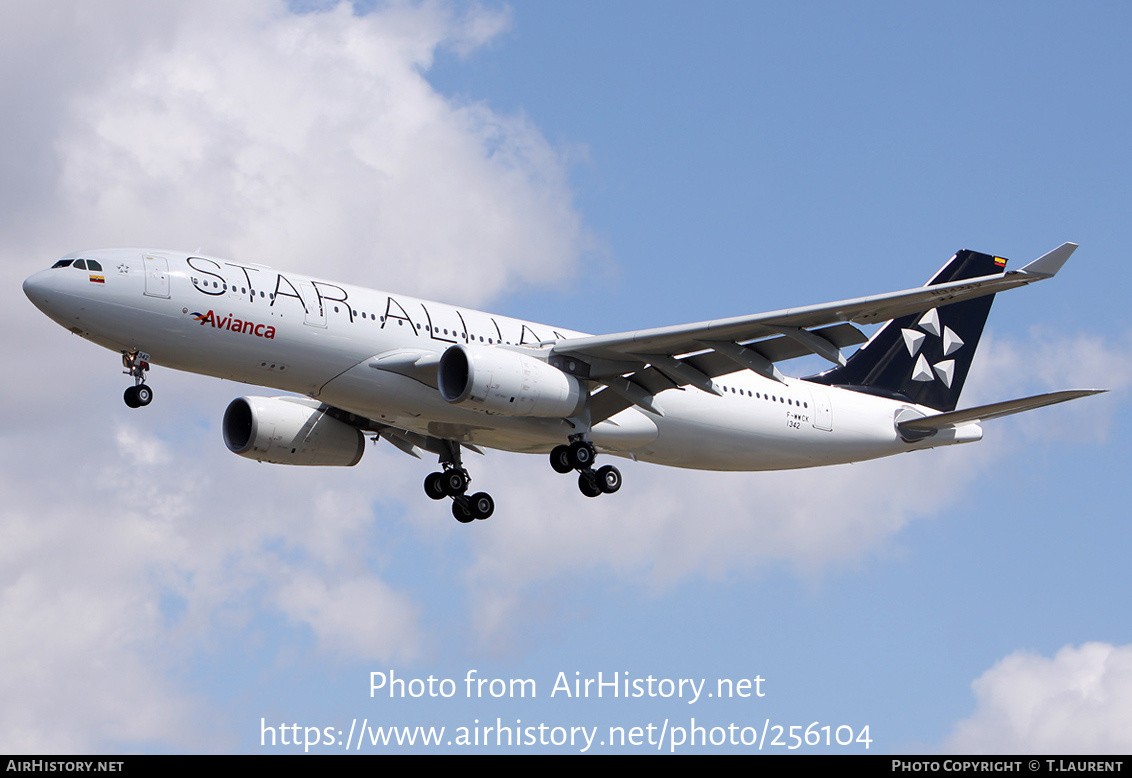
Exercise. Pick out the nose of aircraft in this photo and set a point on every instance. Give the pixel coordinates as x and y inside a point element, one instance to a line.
<point>40,289</point>
<point>36,286</point>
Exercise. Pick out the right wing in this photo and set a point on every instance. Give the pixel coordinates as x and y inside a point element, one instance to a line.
<point>635,366</point>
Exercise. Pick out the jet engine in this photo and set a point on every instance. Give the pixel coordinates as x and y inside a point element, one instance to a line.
<point>505,382</point>
<point>290,431</point>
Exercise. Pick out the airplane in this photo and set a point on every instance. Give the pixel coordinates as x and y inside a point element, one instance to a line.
<point>438,378</point>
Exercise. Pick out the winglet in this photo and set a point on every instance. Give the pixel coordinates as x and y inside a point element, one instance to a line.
<point>1047,265</point>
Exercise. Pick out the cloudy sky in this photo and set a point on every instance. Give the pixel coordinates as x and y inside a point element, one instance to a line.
<point>601,167</point>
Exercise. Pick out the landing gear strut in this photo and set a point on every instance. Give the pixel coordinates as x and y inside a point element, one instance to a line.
<point>136,364</point>
<point>580,455</point>
<point>453,482</point>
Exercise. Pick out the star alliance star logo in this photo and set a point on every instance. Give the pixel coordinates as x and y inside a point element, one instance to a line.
<point>914,339</point>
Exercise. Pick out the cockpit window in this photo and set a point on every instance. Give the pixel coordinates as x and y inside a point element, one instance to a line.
<point>92,265</point>
<point>62,263</point>
<point>80,264</point>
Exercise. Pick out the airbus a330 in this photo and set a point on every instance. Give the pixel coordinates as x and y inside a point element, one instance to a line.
<point>437,378</point>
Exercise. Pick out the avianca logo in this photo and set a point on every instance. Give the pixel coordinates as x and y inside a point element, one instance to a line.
<point>232,324</point>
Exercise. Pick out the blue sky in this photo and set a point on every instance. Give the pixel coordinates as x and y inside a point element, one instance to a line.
<point>601,167</point>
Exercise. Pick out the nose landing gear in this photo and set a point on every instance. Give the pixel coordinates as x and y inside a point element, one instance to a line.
<point>136,364</point>
<point>579,455</point>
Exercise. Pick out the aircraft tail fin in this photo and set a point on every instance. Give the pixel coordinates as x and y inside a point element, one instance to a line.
<point>924,358</point>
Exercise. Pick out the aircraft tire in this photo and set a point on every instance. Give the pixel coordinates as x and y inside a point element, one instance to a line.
<point>588,484</point>
<point>581,454</point>
<point>455,482</point>
<point>461,513</point>
<point>481,505</point>
<point>608,479</point>
<point>131,397</point>
<point>434,487</point>
<point>143,394</point>
<point>560,459</point>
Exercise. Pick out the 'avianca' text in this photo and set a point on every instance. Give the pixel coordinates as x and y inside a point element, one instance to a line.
<point>233,324</point>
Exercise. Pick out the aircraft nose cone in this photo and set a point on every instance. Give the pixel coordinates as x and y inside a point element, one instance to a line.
<point>36,287</point>
<point>42,289</point>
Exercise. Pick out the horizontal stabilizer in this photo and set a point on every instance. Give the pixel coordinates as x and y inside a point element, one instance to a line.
<point>993,411</point>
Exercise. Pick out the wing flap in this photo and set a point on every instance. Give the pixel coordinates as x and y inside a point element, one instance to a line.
<point>606,403</point>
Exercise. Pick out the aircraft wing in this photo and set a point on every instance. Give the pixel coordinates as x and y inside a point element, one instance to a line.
<point>634,366</point>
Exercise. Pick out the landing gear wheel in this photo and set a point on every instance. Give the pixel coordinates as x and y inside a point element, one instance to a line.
<point>581,454</point>
<point>560,459</point>
<point>461,512</point>
<point>455,482</point>
<point>434,486</point>
<point>588,484</point>
<point>143,395</point>
<point>136,364</point>
<point>608,479</point>
<point>481,505</point>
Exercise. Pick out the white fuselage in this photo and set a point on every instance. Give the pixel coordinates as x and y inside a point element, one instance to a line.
<point>256,325</point>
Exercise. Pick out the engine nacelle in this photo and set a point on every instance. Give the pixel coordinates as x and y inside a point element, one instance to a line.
<point>290,431</point>
<point>497,380</point>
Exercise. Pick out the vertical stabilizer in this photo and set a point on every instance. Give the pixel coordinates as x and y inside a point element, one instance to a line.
<point>924,358</point>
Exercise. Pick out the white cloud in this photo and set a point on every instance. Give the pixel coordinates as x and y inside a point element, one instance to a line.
<point>1078,702</point>
<point>81,655</point>
<point>1048,361</point>
<point>140,448</point>
<point>362,617</point>
<point>116,571</point>
<point>315,142</point>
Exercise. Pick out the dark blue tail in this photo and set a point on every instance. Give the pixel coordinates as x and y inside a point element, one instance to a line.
<point>923,358</point>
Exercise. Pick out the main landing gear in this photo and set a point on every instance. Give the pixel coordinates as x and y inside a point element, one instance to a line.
<point>580,455</point>
<point>453,482</point>
<point>136,365</point>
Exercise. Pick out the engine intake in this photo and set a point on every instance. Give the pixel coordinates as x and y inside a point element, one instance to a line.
<point>497,380</point>
<point>290,431</point>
